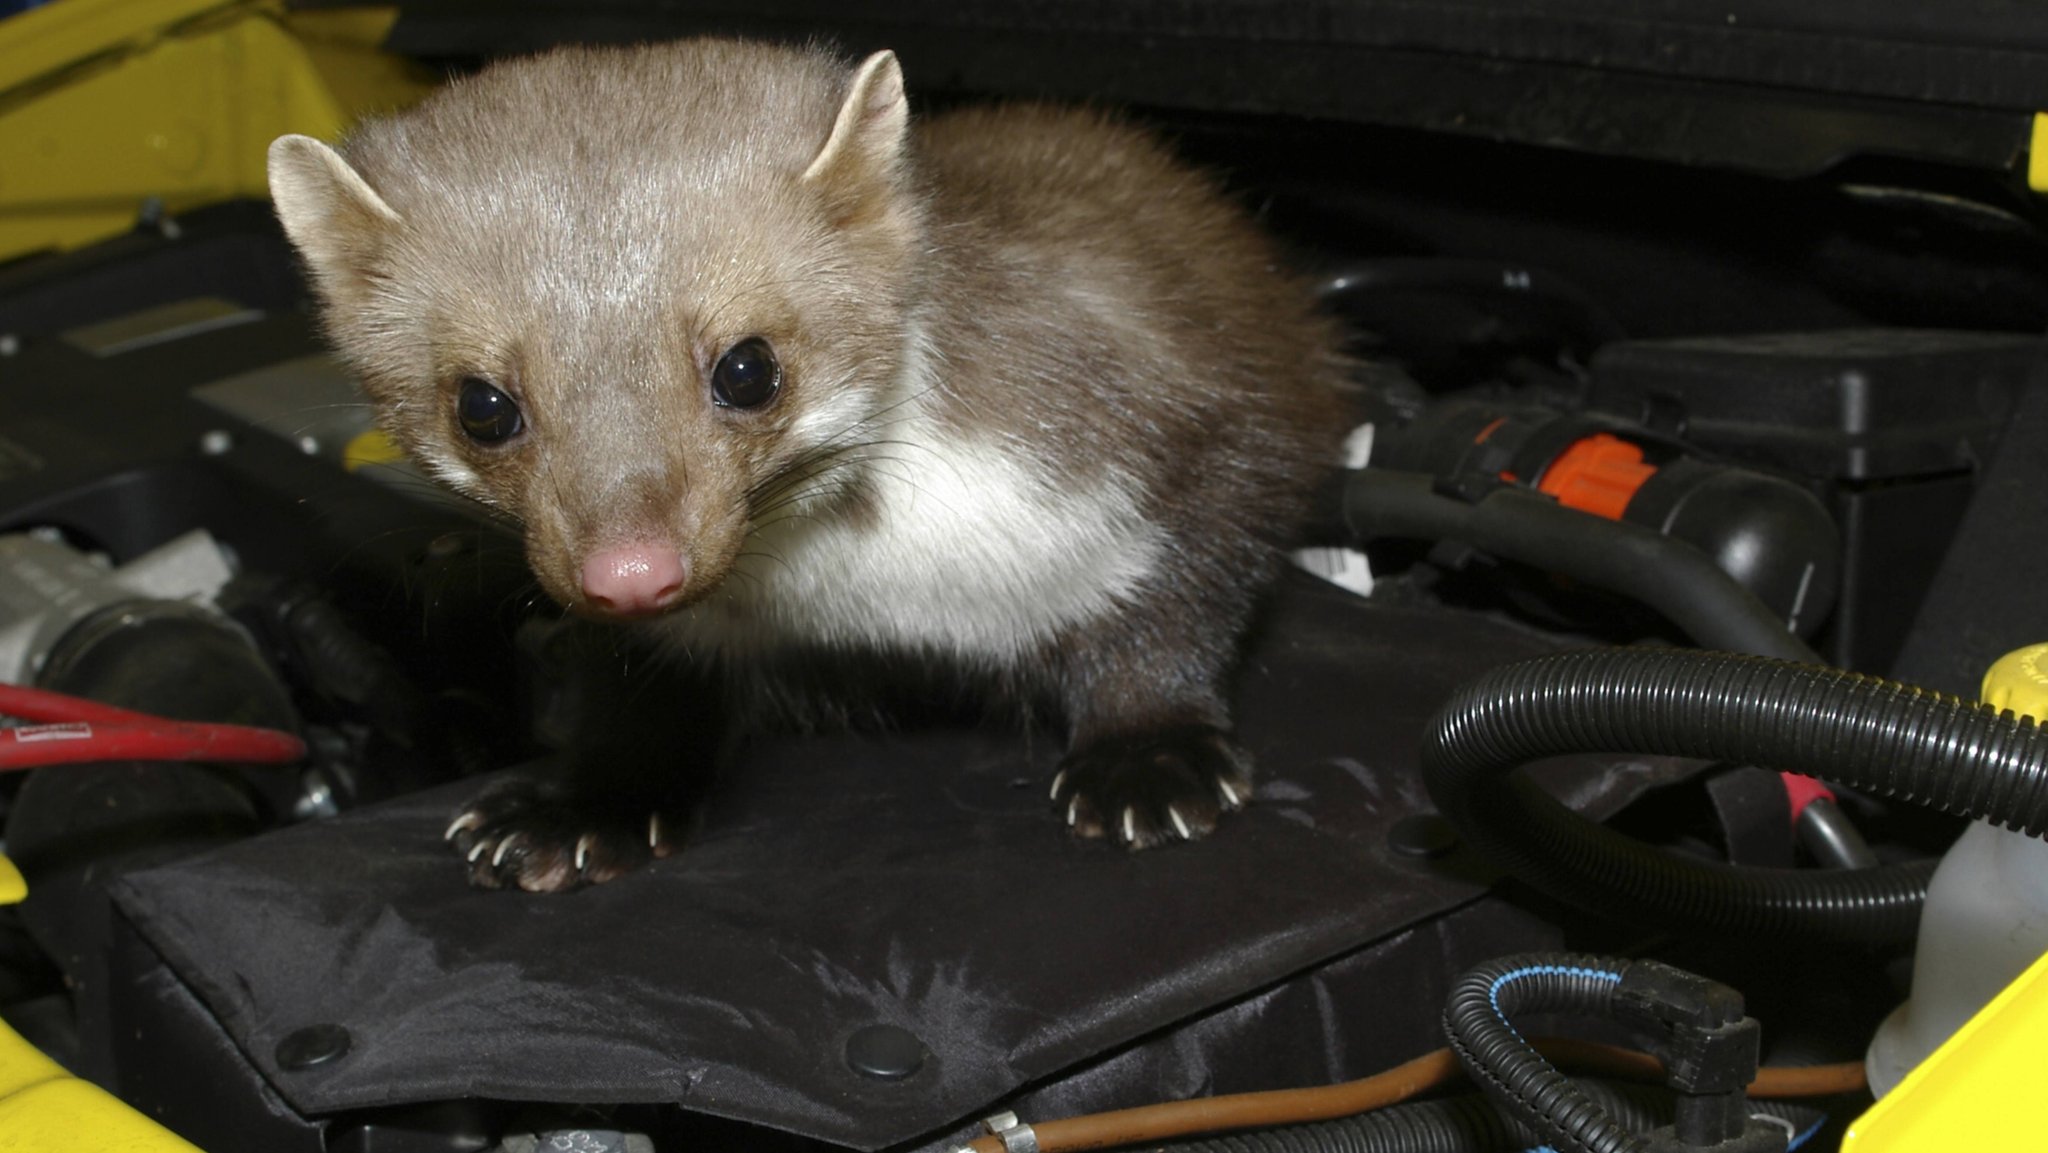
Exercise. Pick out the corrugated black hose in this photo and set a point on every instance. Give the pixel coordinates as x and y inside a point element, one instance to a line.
<point>1890,739</point>
<point>1695,1025</point>
<point>1510,1070</point>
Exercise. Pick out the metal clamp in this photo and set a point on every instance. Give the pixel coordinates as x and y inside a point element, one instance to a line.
<point>1016,1136</point>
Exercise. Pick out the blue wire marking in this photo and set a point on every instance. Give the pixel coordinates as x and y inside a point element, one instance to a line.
<point>1795,1143</point>
<point>1493,998</point>
<point>1803,1137</point>
<point>1493,990</point>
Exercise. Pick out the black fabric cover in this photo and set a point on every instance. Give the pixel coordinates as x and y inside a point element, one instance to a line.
<point>841,882</point>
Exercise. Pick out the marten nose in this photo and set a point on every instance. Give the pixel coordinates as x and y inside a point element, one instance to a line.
<point>634,580</point>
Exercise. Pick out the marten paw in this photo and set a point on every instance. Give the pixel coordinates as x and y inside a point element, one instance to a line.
<point>521,835</point>
<point>1153,788</point>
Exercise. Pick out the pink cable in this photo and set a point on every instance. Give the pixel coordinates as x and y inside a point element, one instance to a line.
<point>1802,791</point>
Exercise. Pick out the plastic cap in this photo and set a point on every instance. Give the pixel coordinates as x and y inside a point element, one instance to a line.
<point>2019,681</point>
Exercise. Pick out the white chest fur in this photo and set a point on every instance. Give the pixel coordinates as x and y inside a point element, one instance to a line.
<point>969,551</point>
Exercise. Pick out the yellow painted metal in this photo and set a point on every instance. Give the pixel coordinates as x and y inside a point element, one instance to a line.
<point>107,103</point>
<point>1980,1090</point>
<point>44,1109</point>
<point>13,888</point>
<point>22,1065</point>
<point>2037,154</point>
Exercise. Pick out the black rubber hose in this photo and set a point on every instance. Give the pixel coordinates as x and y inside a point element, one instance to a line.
<point>1467,1123</point>
<point>1893,740</point>
<point>1590,325</point>
<point>1667,574</point>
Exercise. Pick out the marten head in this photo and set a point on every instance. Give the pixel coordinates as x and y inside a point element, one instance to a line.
<point>635,298</point>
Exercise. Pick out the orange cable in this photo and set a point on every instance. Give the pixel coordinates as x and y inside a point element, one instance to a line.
<point>1400,1083</point>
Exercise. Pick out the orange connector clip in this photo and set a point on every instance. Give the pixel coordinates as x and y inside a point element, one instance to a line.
<point>1598,474</point>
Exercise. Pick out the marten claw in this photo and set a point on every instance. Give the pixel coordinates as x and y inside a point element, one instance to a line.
<point>1230,798</point>
<point>1153,788</point>
<point>519,835</point>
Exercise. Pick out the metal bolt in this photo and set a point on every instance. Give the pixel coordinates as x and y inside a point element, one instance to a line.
<point>316,798</point>
<point>885,1053</point>
<point>309,445</point>
<point>577,1141</point>
<point>9,344</point>
<point>1422,836</point>
<point>312,1046</point>
<point>216,442</point>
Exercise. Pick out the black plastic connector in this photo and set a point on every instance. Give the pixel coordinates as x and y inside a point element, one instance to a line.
<point>1756,1137</point>
<point>1708,1046</point>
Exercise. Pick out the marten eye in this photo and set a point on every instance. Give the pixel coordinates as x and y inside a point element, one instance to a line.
<point>747,376</point>
<point>487,415</point>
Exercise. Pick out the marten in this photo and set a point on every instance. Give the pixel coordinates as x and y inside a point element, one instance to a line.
<point>760,363</point>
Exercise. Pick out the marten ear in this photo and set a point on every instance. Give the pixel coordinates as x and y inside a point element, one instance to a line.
<point>334,218</point>
<point>865,151</point>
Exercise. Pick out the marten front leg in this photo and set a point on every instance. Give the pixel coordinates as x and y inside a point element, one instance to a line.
<point>1150,759</point>
<point>638,746</point>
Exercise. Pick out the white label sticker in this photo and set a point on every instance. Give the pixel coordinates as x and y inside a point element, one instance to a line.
<point>70,731</point>
<point>1358,446</point>
<point>1346,568</point>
